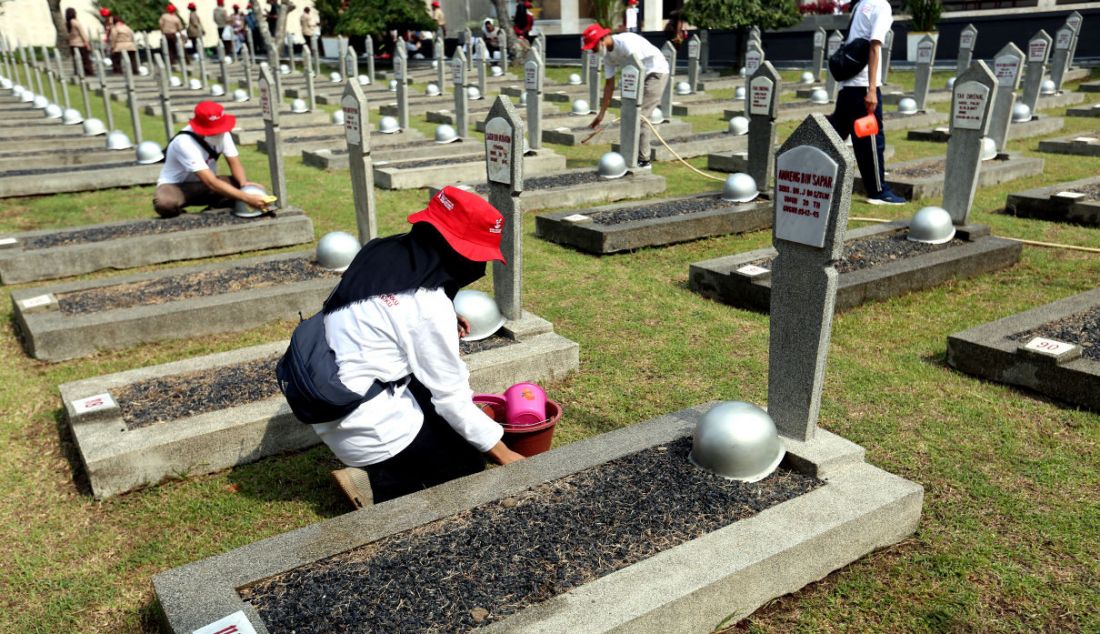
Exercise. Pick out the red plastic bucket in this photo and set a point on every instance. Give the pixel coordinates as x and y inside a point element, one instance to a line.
<point>524,404</point>
<point>526,440</point>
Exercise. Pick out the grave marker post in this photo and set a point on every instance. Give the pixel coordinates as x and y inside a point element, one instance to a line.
<point>181,55</point>
<point>440,62</point>
<point>164,54</point>
<point>131,99</point>
<point>967,39</point>
<point>250,43</point>
<point>886,54</point>
<point>754,35</point>
<point>694,46</point>
<point>61,78</point>
<point>669,52</point>
<point>704,50</point>
<point>289,43</point>
<point>1006,68</point>
<point>458,78</point>
<point>165,99</point>
<point>4,55</point>
<point>51,77</point>
<point>342,56</point>
<point>307,70</point>
<point>595,91</point>
<point>37,71</point>
<point>586,64</point>
<point>1038,51</point>
<point>532,84</point>
<point>831,45</point>
<point>971,103</point>
<point>819,52</point>
<point>400,73</point>
<point>200,51</point>
<point>633,75</point>
<point>926,56</point>
<point>504,169</point>
<point>350,63</point>
<point>357,133</point>
<point>1059,63</point>
<point>247,61</point>
<point>762,106</point>
<point>103,90</point>
<point>503,39</point>
<point>482,67</point>
<point>269,105</point>
<point>223,66</point>
<point>1074,20</point>
<point>754,57</point>
<point>369,45</point>
<point>813,194</point>
<point>315,50</point>
<point>78,56</point>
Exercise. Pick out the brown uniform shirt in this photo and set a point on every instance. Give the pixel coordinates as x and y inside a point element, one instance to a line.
<point>194,26</point>
<point>122,39</point>
<point>170,23</point>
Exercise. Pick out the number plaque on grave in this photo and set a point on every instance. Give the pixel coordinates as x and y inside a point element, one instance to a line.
<point>265,100</point>
<point>819,39</point>
<point>924,52</point>
<point>970,98</point>
<point>1037,50</point>
<point>752,61</point>
<point>803,194</point>
<point>1006,68</point>
<point>761,97</point>
<point>1065,38</point>
<point>498,150</point>
<point>531,76</point>
<point>93,403</point>
<point>693,48</point>
<point>352,126</point>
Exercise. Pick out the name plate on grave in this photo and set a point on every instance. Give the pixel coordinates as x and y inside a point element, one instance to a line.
<point>819,40</point>
<point>752,61</point>
<point>498,150</point>
<point>38,301</point>
<point>804,194</point>
<point>236,623</point>
<point>398,68</point>
<point>970,100</point>
<point>531,76</point>
<point>1037,51</point>
<point>265,101</point>
<point>82,406</point>
<point>7,243</point>
<point>693,48</point>
<point>1006,68</point>
<point>751,270</point>
<point>352,124</point>
<point>456,71</point>
<point>761,97</point>
<point>924,52</point>
<point>1065,38</point>
<point>631,77</point>
<point>966,40</point>
<point>1059,351</point>
<point>1074,21</point>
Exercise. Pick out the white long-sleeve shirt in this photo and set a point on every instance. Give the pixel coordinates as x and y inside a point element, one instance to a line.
<point>388,337</point>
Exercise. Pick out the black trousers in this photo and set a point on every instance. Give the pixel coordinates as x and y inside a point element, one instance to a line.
<point>868,151</point>
<point>438,454</point>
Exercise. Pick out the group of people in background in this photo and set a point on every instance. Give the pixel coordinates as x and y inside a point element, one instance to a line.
<point>118,35</point>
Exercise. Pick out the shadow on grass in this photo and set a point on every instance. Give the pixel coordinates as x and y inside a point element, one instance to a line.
<point>67,445</point>
<point>303,476</point>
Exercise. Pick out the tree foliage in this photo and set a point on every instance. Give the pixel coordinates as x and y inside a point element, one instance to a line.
<point>140,15</point>
<point>733,14</point>
<point>373,17</point>
<point>607,13</point>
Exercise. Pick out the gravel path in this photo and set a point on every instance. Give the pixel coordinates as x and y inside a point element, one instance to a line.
<point>870,252</point>
<point>482,565</point>
<point>1082,329</point>
<point>147,227</point>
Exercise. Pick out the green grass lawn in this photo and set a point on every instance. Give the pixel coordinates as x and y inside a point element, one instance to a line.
<point>1008,538</point>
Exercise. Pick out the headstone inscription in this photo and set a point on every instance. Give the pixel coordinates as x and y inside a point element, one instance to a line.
<point>754,57</point>
<point>61,78</point>
<point>813,194</point>
<point>131,100</point>
<point>368,44</point>
<point>482,65</point>
<point>165,98</point>
<point>401,74</point>
<point>78,56</point>
<point>458,79</point>
<point>967,39</point>
<point>1038,50</point>
<point>595,91</point>
<point>669,53</point>
<point>763,108</point>
<point>109,114</point>
<point>357,133</point>
<point>440,62</point>
<point>831,45</point>
<point>694,46</point>
<point>504,169</point>
<point>971,103</point>
<point>1074,20</point>
<point>307,70</point>
<point>926,55</point>
<point>633,74</point>
<point>269,106</point>
<point>1059,63</point>
<point>532,84</point>
<point>1006,68</point>
<point>819,52</point>
<point>886,55</point>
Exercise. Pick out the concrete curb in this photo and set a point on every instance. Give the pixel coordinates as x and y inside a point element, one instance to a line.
<point>628,187</point>
<point>129,175</point>
<point>335,157</point>
<point>739,161</point>
<point>1056,203</point>
<point>1036,126</point>
<point>574,135</point>
<point>390,175</point>
<point>695,145</point>
<point>1004,168</point>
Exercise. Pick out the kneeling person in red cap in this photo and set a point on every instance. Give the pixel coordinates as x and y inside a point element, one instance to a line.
<point>391,320</point>
<point>189,176</point>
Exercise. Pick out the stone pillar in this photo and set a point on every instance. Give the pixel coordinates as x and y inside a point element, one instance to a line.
<point>247,61</point>
<point>400,73</point>
<point>482,67</point>
<point>532,84</point>
<point>704,52</point>
<point>289,52</point>
<point>586,63</point>
<point>357,132</point>
<point>307,71</point>
<point>1038,50</point>
<point>4,57</point>
<point>269,105</point>
<point>315,50</point>
<point>1059,63</point>
<point>831,45</point>
<point>669,52</point>
<point>250,44</point>
<point>164,54</point>
<point>342,57</point>
<point>813,194</point>
<point>570,16</point>
<point>1006,68</point>
<point>633,77</point>
<point>60,69</point>
<point>503,40</point>
<point>762,108</point>
<point>200,50</point>
<point>1074,20</point>
<point>971,103</point>
<point>504,168</point>
<point>351,63</point>
<point>651,15</point>
<point>967,39</point>
<point>78,55</point>
<point>182,56</point>
<point>887,54</point>
<point>110,115</point>
<point>694,46</point>
<point>458,79</point>
<point>131,99</point>
<point>754,57</point>
<point>819,53</point>
<point>595,90</point>
<point>926,56</point>
<point>440,62</point>
<point>165,100</point>
<point>51,78</point>
<point>37,71</point>
<point>368,43</point>
<point>223,66</point>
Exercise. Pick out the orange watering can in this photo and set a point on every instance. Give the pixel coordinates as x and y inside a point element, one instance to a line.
<point>866,126</point>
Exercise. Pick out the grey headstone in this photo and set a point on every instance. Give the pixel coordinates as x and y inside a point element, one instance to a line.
<point>181,56</point>
<point>532,84</point>
<point>223,64</point>
<point>754,58</point>
<point>1038,51</point>
<point>247,61</point>
<point>110,115</point>
<point>831,45</point>
<point>201,52</point>
<point>971,104</point>
<point>342,57</point>
<point>819,52</point>
<point>401,74</point>
<point>165,97</point>
<point>250,43</point>
<point>307,70</point>
<point>289,52</point>
<point>315,50</point>
<point>131,99</point>
<point>762,106</point>
<point>504,169</point>
<point>269,106</point>
<point>967,39</point>
<point>1074,19</point>
<point>704,55</point>
<point>351,63</point>
<point>887,54</point>
<point>165,55</point>
<point>755,35</point>
<point>368,43</point>
<point>926,57</point>
<point>1006,68</point>
<point>357,132</point>
<point>813,194</point>
<point>482,66</point>
<point>51,77</point>
<point>458,80</point>
<point>669,52</point>
<point>502,39</point>
<point>586,63</point>
<point>37,72</point>
<point>1059,62</point>
<point>440,62</point>
<point>694,50</point>
<point>633,85</point>
<point>61,77</point>
<point>595,90</point>
<point>79,63</point>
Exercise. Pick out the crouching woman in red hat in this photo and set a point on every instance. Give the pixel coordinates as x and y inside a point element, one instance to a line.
<point>391,320</point>
<point>189,176</point>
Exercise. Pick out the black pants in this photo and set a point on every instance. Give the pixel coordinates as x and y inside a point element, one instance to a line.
<point>438,454</point>
<point>868,151</point>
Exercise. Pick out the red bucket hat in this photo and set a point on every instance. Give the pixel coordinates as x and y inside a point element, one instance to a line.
<point>171,8</point>
<point>592,36</point>
<point>467,222</point>
<point>210,119</point>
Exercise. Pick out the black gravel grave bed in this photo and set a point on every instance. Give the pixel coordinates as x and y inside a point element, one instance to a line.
<point>932,167</point>
<point>66,169</point>
<point>666,209</point>
<point>150,226</point>
<point>554,180</point>
<point>1092,192</point>
<point>192,285</point>
<point>337,133</point>
<point>174,397</point>
<point>482,565</point>
<point>398,164</point>
<point>881,249</point>
<point>1082,329</point>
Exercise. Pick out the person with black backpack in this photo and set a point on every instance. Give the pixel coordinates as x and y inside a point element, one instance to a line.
<point>858,69</point>
<point>189,176</point>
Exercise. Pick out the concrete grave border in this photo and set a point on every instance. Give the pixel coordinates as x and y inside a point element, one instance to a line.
<point>720,279</point>
<point>336,158</point>
<point>1054,202</point>
<point>574,135</point>
<point>631,186</point>
<point>987,352</point>
<point>288,227</point>
<point>1092,110</point>
<point>1003,168</point>
<point>859,509</point>
<point>1036,126</point>
<point>129,175</point>
<point>739,161</point>
<point>695,145</point>
<point>1081,145</point>
<point>390,175</point>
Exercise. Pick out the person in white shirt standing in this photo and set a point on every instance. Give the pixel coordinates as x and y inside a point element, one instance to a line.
<point>391,320</point>
<point>861,95</point>
<point>189,176</point>
<point>630,17</point>
<point>618,50</point>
